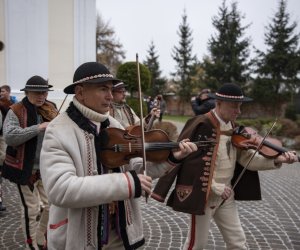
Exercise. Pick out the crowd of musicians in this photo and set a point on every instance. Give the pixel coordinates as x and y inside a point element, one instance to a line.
<point>72,197</point>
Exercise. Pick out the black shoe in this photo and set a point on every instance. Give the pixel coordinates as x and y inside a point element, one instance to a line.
<point>2,208</point>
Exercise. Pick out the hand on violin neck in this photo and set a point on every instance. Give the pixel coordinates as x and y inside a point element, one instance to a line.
<point>185,148</point>
<point>288,157</point>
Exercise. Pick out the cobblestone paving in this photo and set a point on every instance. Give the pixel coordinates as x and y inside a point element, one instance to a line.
<point>273,223</point>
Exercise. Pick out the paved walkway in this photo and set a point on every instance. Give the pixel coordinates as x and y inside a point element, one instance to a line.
<point>270,224</point>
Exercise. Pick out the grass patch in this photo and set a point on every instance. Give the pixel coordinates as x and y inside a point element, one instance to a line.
<point>177,118</point>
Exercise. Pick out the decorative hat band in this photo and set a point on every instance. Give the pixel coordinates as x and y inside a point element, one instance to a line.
<point>37,86</point>
<point>94,77</point>
<point>230,96</point>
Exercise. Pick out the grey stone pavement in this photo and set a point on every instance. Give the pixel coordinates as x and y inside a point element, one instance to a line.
<point>273,223</point>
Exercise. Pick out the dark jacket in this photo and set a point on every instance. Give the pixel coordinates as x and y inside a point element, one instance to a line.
<point>201,107</point>
<point>195,174</point>
<point>19,160</point>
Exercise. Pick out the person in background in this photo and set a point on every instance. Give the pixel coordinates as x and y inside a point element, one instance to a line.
<point>93,206</point>
<point>122,112</point>
<point>160,103</point>
<point>2,207</point>
<point>23,131</point>
<point>150,103</point>
<point>6,100</point>
<point>5,93</point>
<point>203,103</point>
<point>205,178</point>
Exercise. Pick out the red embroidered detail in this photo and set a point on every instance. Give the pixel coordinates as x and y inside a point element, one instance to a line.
<point>183,192</point>
<point>59,224</point>
<point>89,157</point>
<point>128,212</point>
<point>157,197</point>
<point>89,226</point>
<point>192,235</point>
<point>129,186</point>
<point>206,158</point>
<point>29,241</point>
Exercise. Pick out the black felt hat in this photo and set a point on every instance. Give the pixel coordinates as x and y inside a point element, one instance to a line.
<point>37,84</point>
<point>230,92</point>
<point>90,72</point>
<point>119,85</point>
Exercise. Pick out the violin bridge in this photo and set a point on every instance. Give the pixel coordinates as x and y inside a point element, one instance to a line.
<point>116,148</point>
<point>129,147</point>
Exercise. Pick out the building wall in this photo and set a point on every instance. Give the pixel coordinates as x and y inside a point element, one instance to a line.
<point>50,38</point>
<point>26,39</point>
<point>2,36</point>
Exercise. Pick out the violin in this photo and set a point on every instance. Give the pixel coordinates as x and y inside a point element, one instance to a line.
<point>118,146</point>
<point>248,138</point>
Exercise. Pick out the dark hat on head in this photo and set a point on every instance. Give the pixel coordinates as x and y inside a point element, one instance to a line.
<point>37,84</point>
<point>230,92</point>
<point>90,72</point>
<point>119,85</point>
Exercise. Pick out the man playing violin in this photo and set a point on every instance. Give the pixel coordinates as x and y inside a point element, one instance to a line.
<point>123,113</point>
<point>23,131</point>
<point>204,186</point>
<point>92,206</point>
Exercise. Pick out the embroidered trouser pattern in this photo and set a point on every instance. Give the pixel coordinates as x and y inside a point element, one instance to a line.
<point>34,221</point>
<point>226,218</point>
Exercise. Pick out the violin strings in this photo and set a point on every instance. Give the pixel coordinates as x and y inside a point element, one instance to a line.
<point>158,146</point>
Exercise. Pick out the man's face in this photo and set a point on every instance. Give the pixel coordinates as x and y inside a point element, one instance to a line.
<point>4,93</point>
<point>228,111</point>
<point>96,96</point>
<point>37,98</point>
<point>119,95</point>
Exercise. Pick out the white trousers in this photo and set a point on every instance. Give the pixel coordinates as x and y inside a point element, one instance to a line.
<point>34,224</point>
<point>226,218</point>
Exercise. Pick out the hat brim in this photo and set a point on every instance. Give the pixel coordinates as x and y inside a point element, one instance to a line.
<point>71,88</point>
<point>33,89</point>
<point>120,87</point>
<point>228,99</point>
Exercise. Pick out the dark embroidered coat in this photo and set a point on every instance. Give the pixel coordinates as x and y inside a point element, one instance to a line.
<point>195,174</point>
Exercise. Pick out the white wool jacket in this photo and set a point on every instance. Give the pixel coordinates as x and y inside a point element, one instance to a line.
<point>75,190</point>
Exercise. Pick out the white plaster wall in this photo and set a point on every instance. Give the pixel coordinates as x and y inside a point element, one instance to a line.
<point>26,33</point>
<point>2,38</point>
<point>50,38</point>
<point>85,31</point>
<point>61,43</point>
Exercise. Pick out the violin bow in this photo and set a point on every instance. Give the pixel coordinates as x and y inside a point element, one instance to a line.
<point>141,120</point>
<point>251,158</point>
<point>62,103</point>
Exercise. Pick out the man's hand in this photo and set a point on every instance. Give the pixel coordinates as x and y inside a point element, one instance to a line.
<point>227,192</point>
<point>43,126</point>
<point>146,182</point>
<point>185,148</point>
<point>287,157</point>
<point>155,112</point>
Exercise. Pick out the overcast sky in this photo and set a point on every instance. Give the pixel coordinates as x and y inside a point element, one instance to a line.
<point>138,22</point>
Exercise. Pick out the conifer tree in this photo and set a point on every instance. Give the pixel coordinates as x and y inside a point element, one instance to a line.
<point>185,61</point>
<point>157,82</point>
<point>229,51</point>
<point>278,68</point>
